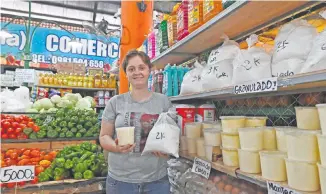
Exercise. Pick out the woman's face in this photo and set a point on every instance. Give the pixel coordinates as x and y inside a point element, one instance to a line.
<point>137,72</point>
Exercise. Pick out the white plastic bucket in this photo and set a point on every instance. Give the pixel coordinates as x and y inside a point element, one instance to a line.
<point>230,140</point>
<point>322,148</point>
<point>249,161</point>
<point>251,138</point>
<point>231,124</point>
<point>307,118</point>
<point>322,117</point>
<point>255,121</point>
<point>212,137</point>
<point>230,157</point>
<point>281,137</point>
<point>273,165</point>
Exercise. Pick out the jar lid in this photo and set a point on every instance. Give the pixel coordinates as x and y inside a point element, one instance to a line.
<point>273,154</point>
<point>302,132</point>
<point>227,133</point>
<point>212,130</point>
<point>257,118</point>
<point>231,117</point>
<point>285,128</point>
<point>321,105</point>
<point>305,107</point>
<point>229,149</point>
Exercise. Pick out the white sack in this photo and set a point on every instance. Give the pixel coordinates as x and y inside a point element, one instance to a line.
<point>317,57</point>
<point>287,67</point>
<point>192,80</point>
<point>294,40</point>
<point>252,63</point>
<point>164,136</point>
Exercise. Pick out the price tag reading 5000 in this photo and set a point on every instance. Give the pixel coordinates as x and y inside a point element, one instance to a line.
<point>16,174</point>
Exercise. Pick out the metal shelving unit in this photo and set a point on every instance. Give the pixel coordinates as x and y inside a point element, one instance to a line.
<point>78,88</point>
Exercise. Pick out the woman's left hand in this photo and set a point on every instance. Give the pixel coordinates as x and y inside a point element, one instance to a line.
<point>160,154</point>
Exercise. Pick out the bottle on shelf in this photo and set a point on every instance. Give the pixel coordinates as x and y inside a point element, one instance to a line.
<point>60,79</point>
<point>211,9</point>
<point>46,79</point>
<point>175,86</point>
<point>105,81</point>
<point>167,80</point>
<point>40,79</point>
<point>70,80</point>
<point>97,81</point>
<point>55,79</point>
<point>112,81</point>
<point>85,81</point>
<point>75,80</point>
<point>90,81</point>
<point>80,81</point>
<point>195,15</point>
<point>65,79</point>
<point>182,20</point>
<point>150,80</point>
<point>163,31</point>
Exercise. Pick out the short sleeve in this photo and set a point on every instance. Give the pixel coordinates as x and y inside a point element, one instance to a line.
<point>167,104</point>
<point>109,113</point>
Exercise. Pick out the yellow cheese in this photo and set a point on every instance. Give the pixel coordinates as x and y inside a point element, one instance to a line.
<point>200,147</point>
<point>322,116</point>
<point>212,137</point>
<point>249,161</point>
<point>322,176</point>
<point>231,124</point>
<point>230,157</point>
<point>193,130</point>
<point>255,121</point>
<point>302,176</point>
<point>322,148</point>
<point>269,138</point>
<point>191,144</point>
<point>307,118</point>
<point>251,138</point>
<point>281,137</point>
<point>230,140</point>
<point>302,145</point>
<point>273,165</point>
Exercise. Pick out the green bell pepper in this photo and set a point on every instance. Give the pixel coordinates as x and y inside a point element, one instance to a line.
<point>88,174</point>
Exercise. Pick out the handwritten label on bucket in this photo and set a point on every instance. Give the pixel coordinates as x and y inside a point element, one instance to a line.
<point>13,174</point>
<point>274,188</point>
<point>264,85</point>
<point>201,167</point>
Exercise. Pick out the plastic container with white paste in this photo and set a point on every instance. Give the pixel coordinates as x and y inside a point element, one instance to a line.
<point>322,148</point>
<point>269,138</point>
<point>249,161</point>
<point>255,121</point>
<point>302,176</point>
<point>126,135</point>
<point>273,165</point>
<point>230,157</point>
<point>251,138</point>
<point>302,145</point>
<point>193,130</point>
<point>322,117</point>
<point>200,147</point>
<point>192,145</point>
<point>230,140</point>
<point>322,177</point>
<point>231,124</point>
<point>281,137</point>
<point>212,137</point>
<point>183,143</point>
<point>213,152</point>
<point>307,118</point>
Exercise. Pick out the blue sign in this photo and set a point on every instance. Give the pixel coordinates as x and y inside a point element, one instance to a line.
<point>52,46</point>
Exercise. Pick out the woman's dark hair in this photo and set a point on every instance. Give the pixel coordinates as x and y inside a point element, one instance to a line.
<point>134,53</point>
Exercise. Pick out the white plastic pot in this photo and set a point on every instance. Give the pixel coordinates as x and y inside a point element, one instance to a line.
<point>230,157</point>
<point>322,148</point>
<point>255,121</point>
<point>307,118</point>
<point>249,161</point>
<point>322,176</point>
<point>281,137</point>
<point>230,140</point>
<point>302,145</point>
<point>251,139</point>
<point>183,143</point>
<point>212,152</point>
<point>126,135</point>
<point>200,147</point>
<point>322,115</point>
<point>212,137</point>
<point>302,176</point>
<point>193,130</point>
<point>273,165</point>
<point>269,138</point>
<point>192,145</point>
<point>231,124</point>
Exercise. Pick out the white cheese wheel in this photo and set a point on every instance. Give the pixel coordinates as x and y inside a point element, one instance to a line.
<point>322,116</point>
<point>307,118</point>
<point>200,147</point>
<point>322,176</point>
<point>212,152</point>
<point>273,165</point>
<point>212,137</point>
<point>231,124</point>
<point>322,148</point>
<point>193,130</point>
<point>230,140</point>
<point>281,137</point>
<point>126,135</point>
<point>270,138</point>
<point>249,161</point>
<point>302,176</point>
<point>230,157</point>
<point>251,139</point>
<point>192,145</point>
<point>255,121</point>
<point>302,145</point>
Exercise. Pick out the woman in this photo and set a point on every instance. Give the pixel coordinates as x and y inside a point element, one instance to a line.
<point>129,172</point>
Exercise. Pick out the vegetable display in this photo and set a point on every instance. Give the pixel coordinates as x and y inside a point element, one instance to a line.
<point>67,123</point>
<point>17,127</point>
<point>83,161</point>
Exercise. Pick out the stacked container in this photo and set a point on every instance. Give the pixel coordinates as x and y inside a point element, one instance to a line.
<point>322,146</point>
<point>212,136</point>
<point>193,133</point>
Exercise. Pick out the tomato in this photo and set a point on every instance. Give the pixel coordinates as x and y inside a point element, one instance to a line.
<point>35,181</point>
<point>12,136</point>
<point>9,152</point>
<point>22,136</point>
<point>10,130</point>
<point>30,124</point>
<point>14,156</point>
<point>36,128</point>
<point>35,153</point>
<point>5,124</point>
<point>24,122</point>
<point>38,170</point>
<point>18,131</point>
<point>9,162</point>
<point>23,157</point>
<point>23,162</point>
<point>48,157</point>
<point>4,136</point>
<point>53,154</point>
<point>18,119</point>
<point>14,125</point>
<point>27,152</point>
<point>23,126</point>
<point>22,183</point>
<point>11,185</point>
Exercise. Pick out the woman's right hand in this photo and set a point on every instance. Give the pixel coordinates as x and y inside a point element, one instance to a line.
<point>123,148</point>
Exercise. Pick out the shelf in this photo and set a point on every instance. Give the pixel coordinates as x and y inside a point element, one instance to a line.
<point>237,21</point>
<point>47,140</point>
<point>77,88</point>
<point>314,81</point>
<point>235,172</point>
<point>21,67</point>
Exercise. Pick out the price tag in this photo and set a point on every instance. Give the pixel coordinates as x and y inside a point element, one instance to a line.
<point>14,174</point>
<point>264,85</point>
<point>48,120</point>
<point>201,167</point>
<point>274,188</point>
<point>25,75</point>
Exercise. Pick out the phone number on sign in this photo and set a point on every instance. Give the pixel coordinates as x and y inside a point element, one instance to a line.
<point>87,62</point>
